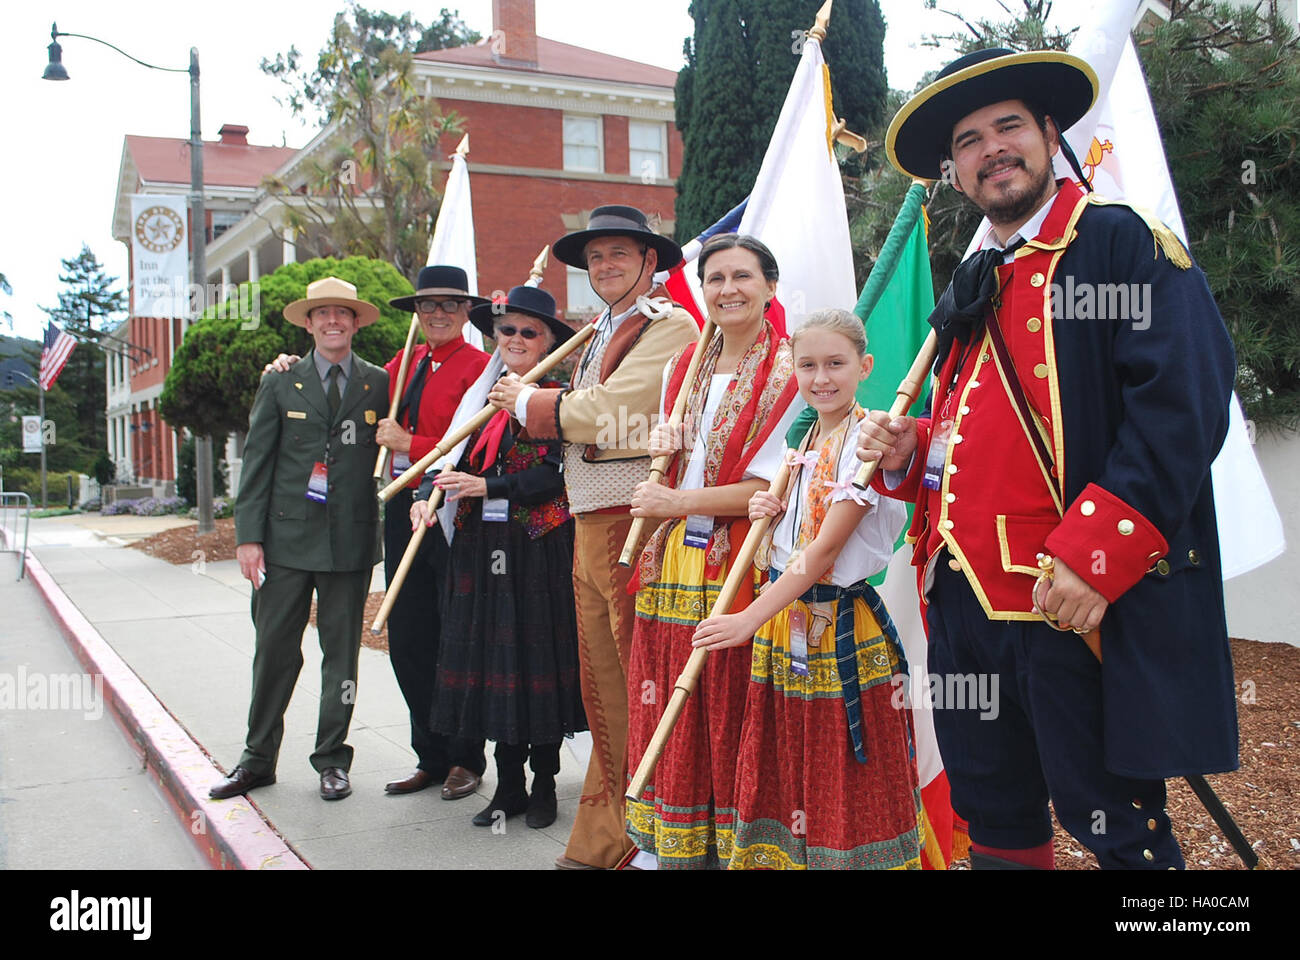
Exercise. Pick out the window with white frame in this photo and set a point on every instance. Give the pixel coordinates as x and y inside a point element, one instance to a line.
<point>581,299</point>
<point>647,150</point>
<point>582,144</point>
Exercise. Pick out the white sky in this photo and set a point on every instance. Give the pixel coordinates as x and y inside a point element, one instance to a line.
<point>60,169</point>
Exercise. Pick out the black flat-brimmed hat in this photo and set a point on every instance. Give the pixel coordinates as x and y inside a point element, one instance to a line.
<point>1062,85</point>
<point>532,301</point>
<point>614,220</point>
<point>439,281</point>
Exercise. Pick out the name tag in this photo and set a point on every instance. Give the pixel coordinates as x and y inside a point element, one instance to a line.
<point>937,455</point>
<point>798,642</point>
<point>296,414</point>
<point>496,511</point>
<point>318,485</point>
<point>401,463</point>
<point>699,528</point>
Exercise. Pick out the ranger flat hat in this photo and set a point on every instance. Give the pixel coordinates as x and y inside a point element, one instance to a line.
<point>614,220</point>
<point>533,301</point>
<point>1062,85</point>
<point>438,281</point>
<point>331,291</point>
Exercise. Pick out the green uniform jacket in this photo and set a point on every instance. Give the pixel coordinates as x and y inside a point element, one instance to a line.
<point>289,430</point>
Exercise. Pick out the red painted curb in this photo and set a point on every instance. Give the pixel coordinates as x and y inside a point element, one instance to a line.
<point>231,834</point>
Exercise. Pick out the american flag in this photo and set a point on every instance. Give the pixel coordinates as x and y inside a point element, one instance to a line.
<point>58,347</point>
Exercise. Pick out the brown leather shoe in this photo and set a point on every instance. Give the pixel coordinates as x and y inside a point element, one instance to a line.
<point>564,863</point>
<point>459,783</point>
<point>240,780</point>
<point>334,784</point>
<point>416,782</point>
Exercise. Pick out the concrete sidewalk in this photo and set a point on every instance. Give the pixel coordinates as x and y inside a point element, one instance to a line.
<point>73,793</point>
<point>186,632</point>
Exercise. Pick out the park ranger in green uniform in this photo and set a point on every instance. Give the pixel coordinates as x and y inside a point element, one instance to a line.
<point>307,519</point>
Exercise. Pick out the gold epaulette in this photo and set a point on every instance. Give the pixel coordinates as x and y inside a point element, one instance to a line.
<point>1165,239</point>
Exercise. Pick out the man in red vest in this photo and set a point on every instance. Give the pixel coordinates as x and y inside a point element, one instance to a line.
<point>1062,471</point>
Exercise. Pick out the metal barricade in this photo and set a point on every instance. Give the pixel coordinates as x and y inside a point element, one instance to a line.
<point>19,506</point>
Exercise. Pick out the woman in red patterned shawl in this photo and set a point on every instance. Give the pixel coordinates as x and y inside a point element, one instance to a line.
<point>741,402</point>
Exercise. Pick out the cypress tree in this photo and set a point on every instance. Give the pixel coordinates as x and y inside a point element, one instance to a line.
<point>715,113</point>
<point>739,67</point>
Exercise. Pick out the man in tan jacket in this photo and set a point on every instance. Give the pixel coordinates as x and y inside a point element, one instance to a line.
<point>604,421</point>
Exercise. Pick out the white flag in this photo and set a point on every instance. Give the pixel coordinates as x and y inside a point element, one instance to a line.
<point>797,204</point>
<point>453,234</point>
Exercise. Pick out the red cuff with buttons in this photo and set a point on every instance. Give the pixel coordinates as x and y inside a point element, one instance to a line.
<point>1106,542</point>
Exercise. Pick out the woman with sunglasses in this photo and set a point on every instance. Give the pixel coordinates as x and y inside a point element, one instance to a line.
<point>508,651</point>
<point>742,400</point>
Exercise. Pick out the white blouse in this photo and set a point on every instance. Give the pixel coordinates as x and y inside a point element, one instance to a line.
<point>871,544</point>
<point>766,462</point>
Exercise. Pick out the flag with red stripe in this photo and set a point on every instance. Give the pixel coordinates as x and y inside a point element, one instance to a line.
<point>55,353</point>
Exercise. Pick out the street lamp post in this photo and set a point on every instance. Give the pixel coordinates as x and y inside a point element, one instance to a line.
<point>55,70</point>
<point>41,393</point>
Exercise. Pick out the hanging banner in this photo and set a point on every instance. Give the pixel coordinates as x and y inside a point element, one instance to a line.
<point>31,434</point>
<point>159,256</point>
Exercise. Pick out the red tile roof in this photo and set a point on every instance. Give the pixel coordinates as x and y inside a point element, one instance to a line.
<point>167,160</point>
<point>562,59</point>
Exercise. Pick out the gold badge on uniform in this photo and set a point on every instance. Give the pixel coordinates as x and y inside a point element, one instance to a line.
<point>370,417</point>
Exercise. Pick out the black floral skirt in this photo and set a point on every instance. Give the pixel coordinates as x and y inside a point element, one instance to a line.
<point>508,654</point>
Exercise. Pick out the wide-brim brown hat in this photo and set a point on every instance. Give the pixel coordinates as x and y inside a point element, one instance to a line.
<point>331,291</point>
<point>439,281</point>
<point>531,301</point>
<point>614,220</point>
<point>1064,86</point>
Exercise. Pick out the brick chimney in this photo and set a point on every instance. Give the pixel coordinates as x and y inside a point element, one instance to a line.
<point>233,134</point>
<point>514,31</point>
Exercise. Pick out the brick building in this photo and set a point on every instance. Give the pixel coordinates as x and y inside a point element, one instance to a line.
<point>555,130</point>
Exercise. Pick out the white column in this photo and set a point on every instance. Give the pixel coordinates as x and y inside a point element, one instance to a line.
<point>290,254</point>
<point>254,266</point>
<point>225,283</point>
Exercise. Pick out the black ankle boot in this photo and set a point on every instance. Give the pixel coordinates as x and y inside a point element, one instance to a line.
<point>510,798</point>
<point>541,801</point>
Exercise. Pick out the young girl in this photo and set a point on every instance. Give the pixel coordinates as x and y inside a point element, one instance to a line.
<point>826,777</point>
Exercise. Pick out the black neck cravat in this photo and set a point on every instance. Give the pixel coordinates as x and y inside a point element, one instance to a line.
<point>959,314</point>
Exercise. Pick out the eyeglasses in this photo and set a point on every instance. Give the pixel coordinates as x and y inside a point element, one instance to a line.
<point>432,306</point>
<point>528,333</point>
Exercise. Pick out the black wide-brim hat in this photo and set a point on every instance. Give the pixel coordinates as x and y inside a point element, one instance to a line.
<point>533,301</point>
<point>439,281</point>
<point>1062,85</point>
<point>614,220</point>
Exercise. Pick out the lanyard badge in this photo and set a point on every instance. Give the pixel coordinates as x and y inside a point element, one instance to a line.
<point>937,455</point>
<point>318,485</point>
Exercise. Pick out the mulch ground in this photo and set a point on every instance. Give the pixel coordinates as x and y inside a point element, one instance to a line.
<point>1263,796</point>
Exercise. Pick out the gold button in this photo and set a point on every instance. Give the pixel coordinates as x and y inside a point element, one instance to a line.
<point>984,358</point>
<point>947,524</point>
<point>1151,824</point>
<point>1148,855</point>
<point>954,565</point>
<point>964,411</point>
<point>952,468</point>
<point>1194,557</point>
<point>950,497</point>
<point>1037,280</point>
<point>1162,567</point>
<point>1040,371</point>
<point>1125,527</point>
<point>1034,324</point>
<point>1137,804</point>
<point>1087,508</point>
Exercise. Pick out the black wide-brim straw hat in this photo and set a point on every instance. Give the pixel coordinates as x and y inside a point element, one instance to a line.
<point>1064,86</point>
<point>439,281</point>
<point>532,301</point>
<point>614,220</point>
